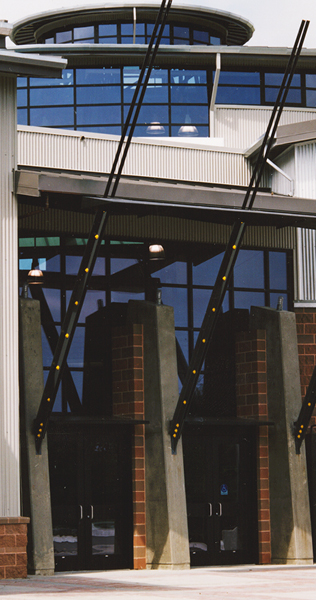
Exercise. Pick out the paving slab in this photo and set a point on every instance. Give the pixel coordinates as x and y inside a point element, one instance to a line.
<point>218,583</point>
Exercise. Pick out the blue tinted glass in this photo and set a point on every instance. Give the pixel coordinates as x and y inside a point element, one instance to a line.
<point>293,96</point>
<point>75,356</point>
<point>205,273</point>
<point>83,32</point>
<point>126,296</point>
<point>311,98</point>
<point>108,40</point>
<point>188,94</point>
<point>149,114</point>
<point>49,40</point>
<point>189,114</point>
<point>277,270</point>
<point>21,82</point>
<point>274,298</point>
<point>73,264</point>
<point>118,264</point>
<point>215,41</point>
<point>22,116</point>
<point>77,377</point>
<point>21,97</point>
<point>166,31</point>
<point>127,29</point>
<point>174,273</point>
<point>239,78</point>
<point>108,30</point>
<point>187,76</point>
<point>180,41</point>
<point>67,79</point>
<point>235,95</point>
<point>311,80</point>
<point>276,79</point>
<point>126,39</point>
<point>53,300</point>
<point>98,76</point>
<point>99,95</point>
<point>52,117</point>
<point>201,299</point>
<point>202,37</point>
<point>181,32</point>
<point>111,129</point>
<point>51,264</point>
<point>248,299</point>
<point>51,96</point>
<point>248,271</point>
<point>47,353</point>
<point>183,340</point>
<point>176,297</point>
<point>156,95</point>
<point>90,304</point>
<point>25,264</point>
<point>63,36</point>
<point>89,115</point>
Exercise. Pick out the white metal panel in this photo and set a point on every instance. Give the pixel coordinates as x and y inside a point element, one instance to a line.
<point>57,149</point>
<point>279,183</point>
<point>305,162</point>
<point>9,373</point>
<point>305,284</point>
<point>241,126</point>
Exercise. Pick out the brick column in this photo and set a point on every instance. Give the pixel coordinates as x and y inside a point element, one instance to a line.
<point>306,338</point>
<point>128,400</point>
<point>252,402</point>
<point>13,542</point>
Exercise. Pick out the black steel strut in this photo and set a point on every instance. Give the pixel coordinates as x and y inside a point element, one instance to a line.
<point>94,241</point>
<point>231,252</point>
<point>306,413</point>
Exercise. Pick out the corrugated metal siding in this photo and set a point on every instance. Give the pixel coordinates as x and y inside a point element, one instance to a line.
<point>95,153</point>
<point>305,163</point>
<point>241,126</point>
<point>305,280</point>
<point>9,373</point>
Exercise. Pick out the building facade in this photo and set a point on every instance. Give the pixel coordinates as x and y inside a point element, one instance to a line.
<point>117,498</point>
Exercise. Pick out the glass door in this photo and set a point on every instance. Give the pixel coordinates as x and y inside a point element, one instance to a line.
<point>220,475</point>
<point>91,492</point>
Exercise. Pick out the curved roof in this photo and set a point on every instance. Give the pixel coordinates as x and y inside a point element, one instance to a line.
<point>28,31</point>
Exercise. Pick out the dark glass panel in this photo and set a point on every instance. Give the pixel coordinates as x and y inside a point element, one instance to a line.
<point>311,98</point>
<point>89,115</point>
<point>278,270</point>
<point>108,30</point>
<point>181,41</point>
<point>310,80</point>
<point>148,114</point>
<point>81,33</point>
<point>52,297</point>
<point>181,32</point>
<point>294,96</point>
<point>235,95</point>
<point>215,41</point>
<point>188,94</point>
<point>276,79</point>
<point>21,97</point>
<point>174,273</point>
<point>176,297</point>
<point>126,296</point>
<point>77,377</point>
<point>73,264</point>
<point>183,340</point>
<point>75,356</point>
<point>206,272</point>
<point>90,304</point>
<point>201,37</point>
<point>98,76</point>
<point>51,265</point>
<point>22,116</point>
<point>166,33</point>
<point>52,117</point>
<point>51,96</point>
<point>248,299</point>
<point>110,94</point>
<point>189,114</point>
<point>201,299</point>
<point>248,271</point>
<point>63,37</point>
<point>239,78</point>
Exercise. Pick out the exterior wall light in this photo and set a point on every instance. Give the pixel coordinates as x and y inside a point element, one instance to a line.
<point>156,252</point>
<point>34,277</point>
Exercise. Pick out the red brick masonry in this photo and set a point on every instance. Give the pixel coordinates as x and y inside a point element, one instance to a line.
<point>13,542</point>
<point>128,400</point>
<point>252,402</point>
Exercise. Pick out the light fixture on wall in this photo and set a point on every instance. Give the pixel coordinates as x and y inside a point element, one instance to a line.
<point>34,277</point>
<point>155,128</point>
<point>156,252</point>
<point>188,130</point>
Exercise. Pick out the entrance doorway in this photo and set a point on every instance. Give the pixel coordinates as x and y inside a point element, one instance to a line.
<point>220,475</point>
<point>91,492</point>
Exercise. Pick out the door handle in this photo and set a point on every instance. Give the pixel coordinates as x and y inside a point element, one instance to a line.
<point>81,512</point>
<point>211,509</point>
<point>91,511</point>
<point>220,509</point>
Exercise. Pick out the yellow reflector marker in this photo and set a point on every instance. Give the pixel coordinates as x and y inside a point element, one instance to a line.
<point>224,278</point>
<point>57,367</point>
<point>177,425</point>
<point>48,399</point>
<point>174,435</point>
<point>194,371</point>
<point>96,237</point>
<point>203,341</point>
<point>184,401</point>
<point>76,303</point>
<point>87,270</point>
<point>234,247</point>
<point>38,435</point>
<point>213,309</point>
<point>67,335</point>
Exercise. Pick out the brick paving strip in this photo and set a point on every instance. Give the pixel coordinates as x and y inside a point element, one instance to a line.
<point>255,583</point>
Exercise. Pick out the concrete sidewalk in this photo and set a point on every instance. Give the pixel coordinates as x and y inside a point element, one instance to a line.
<point>218,583</point>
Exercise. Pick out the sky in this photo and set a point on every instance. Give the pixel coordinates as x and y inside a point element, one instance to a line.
<point>276,22</point>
